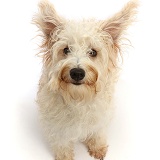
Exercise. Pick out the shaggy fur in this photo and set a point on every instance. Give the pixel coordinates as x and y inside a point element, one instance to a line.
<point>78,110</point>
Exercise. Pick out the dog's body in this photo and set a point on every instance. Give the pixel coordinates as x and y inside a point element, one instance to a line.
<point>77,83</point>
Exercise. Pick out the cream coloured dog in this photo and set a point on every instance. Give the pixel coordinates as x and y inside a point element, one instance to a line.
<point>80,68</point>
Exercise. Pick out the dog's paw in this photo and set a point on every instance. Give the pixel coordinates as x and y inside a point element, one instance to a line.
<point>99,153</point>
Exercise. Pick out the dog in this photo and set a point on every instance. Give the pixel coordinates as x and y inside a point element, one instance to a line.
<point>80,70</point>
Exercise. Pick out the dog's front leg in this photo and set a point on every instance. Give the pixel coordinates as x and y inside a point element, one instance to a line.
<point>64,152</point>
<point>97,146</point>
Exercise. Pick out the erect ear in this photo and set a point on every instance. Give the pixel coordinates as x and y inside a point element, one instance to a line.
<point>117,24</point>
<point>46,19</point>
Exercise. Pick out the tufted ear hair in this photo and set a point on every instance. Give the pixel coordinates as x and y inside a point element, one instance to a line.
<point>117,24</point>
<point>46,19</point>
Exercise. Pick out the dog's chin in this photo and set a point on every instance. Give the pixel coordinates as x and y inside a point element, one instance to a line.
<point>80,92</point>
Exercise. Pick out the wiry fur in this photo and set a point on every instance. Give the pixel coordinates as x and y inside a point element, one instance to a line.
<point>71,113</point>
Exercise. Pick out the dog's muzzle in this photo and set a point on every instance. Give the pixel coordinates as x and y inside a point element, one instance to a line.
<point>77,74</point>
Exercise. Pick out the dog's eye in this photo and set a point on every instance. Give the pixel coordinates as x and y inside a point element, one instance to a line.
<point>66,50</point>
<point>92,53</point>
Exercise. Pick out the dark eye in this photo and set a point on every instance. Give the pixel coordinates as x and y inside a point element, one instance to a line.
<point>92,53</point>
<point>66,50</point>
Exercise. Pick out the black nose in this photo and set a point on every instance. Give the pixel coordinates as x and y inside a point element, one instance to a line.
<point>77,74</point>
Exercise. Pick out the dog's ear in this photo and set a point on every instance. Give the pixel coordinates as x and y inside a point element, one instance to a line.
<point>46,19</point>
<point>117,24</point>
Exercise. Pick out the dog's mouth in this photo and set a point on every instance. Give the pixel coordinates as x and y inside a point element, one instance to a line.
<point>77,83</point>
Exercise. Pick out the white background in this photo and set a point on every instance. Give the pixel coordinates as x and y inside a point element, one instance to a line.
<point>134,133</point>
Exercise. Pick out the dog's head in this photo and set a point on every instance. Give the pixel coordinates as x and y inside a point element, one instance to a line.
<point>80,57</point>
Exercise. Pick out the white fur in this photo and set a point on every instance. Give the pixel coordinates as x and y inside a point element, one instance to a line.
<point>77,111</point>
<point>71,113</point>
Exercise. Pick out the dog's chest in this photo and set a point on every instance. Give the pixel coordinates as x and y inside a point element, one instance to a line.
<point>76,121</point>
<point>80,117</point>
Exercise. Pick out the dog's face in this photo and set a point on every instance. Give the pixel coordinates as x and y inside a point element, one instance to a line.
<point>80,57</point>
